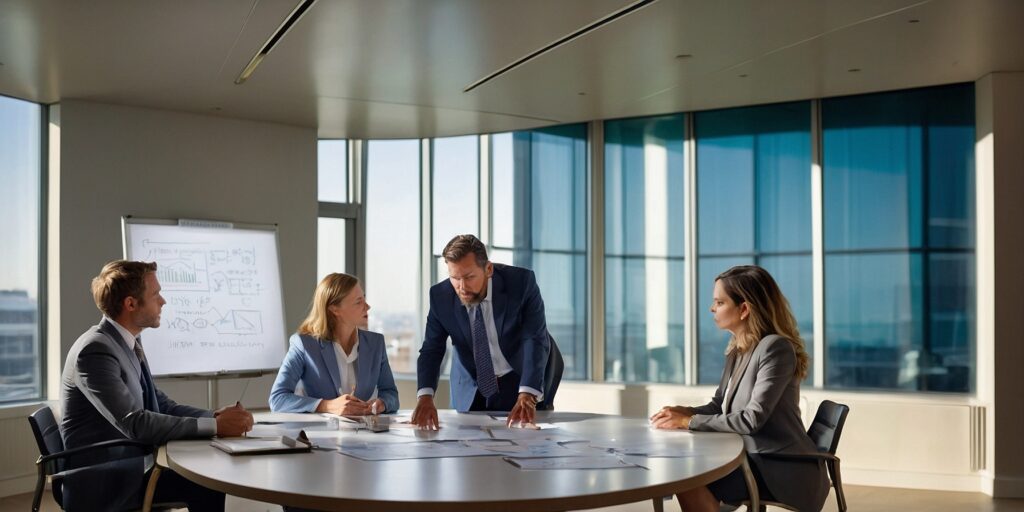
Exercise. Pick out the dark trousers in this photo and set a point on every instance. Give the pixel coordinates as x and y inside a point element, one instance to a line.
<point>172,487</point>
<point>504,399</point>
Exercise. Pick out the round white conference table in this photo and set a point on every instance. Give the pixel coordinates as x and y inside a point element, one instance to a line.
<point>328,480</point>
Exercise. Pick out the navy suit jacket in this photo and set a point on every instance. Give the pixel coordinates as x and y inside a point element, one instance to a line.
<point>518,318</point>
<point>314,363</point>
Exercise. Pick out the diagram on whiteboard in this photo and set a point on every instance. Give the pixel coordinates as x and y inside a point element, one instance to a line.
<point>223,291</point>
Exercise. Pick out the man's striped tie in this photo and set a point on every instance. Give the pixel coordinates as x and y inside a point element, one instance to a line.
<point>486,382</point>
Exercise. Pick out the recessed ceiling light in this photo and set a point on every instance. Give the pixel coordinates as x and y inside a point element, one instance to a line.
<point>683,56</point>
<point>853,70</point>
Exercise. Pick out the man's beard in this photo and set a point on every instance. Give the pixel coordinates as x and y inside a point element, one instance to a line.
<point>477,298</point>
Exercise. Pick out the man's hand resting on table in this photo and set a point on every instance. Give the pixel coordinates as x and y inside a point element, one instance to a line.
<point>524,412</point>
<point>425,414</point>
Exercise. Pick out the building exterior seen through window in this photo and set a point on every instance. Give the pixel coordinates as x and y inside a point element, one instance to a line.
<point>20,178</point>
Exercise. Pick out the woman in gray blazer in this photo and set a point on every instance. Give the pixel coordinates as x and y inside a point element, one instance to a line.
<point>343,368</point>
<point>758,397</point>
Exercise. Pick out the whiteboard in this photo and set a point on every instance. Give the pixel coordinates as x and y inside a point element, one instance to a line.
<point>222,284</point>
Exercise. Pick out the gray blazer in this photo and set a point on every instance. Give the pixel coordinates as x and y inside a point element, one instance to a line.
<point>101,398</point>
<point>763,407</point>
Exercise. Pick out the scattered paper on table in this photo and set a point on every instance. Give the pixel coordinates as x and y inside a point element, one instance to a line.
<point>400,451</point>
<point>596,462</point>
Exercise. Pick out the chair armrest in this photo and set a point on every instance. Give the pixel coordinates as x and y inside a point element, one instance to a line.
<point>143,449</point>
<point>800,456</point>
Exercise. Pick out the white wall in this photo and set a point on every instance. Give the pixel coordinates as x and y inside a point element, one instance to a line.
<point>1000,241</point>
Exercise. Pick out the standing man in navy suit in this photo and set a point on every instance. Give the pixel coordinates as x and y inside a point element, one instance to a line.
<point>494,315</point>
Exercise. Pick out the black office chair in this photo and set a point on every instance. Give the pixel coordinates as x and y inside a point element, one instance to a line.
<point>824,431</point>
<point>552,376</point>
<point>53,457</point>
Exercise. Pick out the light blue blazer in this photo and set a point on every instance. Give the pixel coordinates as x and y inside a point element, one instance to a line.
<point>314,363</point>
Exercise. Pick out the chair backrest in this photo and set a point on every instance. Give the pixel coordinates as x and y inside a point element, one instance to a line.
<point>44,427</point>
<point>828,426</point>
<point>552,375</point>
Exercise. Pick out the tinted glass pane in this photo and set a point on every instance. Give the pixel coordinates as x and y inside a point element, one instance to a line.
<point>20,365</point>
<point>330,246</point>
<point>456,190</point>
<point>503,165</point>
<point>538,191</point>
<point>332,171</point>
<point>879,152</point>
<point>644,335</point>
<point>795,278</point>
<point>711,341</point>
<point>951,183</point>
<point>392,247</point>
<point>874,320</point>
<point>948,362</point>
<point>559,186</point>
<point>899,185</point>
<point>754,179</point>
<point>644,237</point>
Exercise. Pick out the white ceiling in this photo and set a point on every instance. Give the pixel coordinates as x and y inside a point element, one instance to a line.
<point>397,68</point>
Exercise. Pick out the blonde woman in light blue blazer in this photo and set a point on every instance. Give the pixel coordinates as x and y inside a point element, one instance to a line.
<point>343,368</point>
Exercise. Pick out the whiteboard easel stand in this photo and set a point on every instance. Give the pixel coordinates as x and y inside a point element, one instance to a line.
<point>213,382</point>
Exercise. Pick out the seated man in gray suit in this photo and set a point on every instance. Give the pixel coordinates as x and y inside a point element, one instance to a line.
<point>107,393</point>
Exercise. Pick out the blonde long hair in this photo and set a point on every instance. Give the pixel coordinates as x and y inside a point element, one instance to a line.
<point>331,290</point>
<point>769,311</point>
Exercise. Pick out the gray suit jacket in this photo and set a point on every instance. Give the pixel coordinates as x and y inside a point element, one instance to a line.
<point>102,399</point>
<point>763,407</point>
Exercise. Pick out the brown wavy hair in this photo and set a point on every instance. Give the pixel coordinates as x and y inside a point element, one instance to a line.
<point>769,311</point>
<point>332,289</point>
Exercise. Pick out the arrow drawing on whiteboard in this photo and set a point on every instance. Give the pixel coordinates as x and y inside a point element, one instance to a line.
<point>235,321</point>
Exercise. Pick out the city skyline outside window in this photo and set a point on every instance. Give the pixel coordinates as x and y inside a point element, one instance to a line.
<point>753,207</point>
<point>20,203</point>
<point>899,240</point>
<point>645,275</point>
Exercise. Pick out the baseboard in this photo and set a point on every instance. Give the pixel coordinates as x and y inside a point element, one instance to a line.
<point>17,485</point>
<point>1007,487</point>
<point>909,480</point>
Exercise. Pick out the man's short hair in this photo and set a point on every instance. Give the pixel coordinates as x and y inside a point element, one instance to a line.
<point>462,245</point>
<point>119,280</point>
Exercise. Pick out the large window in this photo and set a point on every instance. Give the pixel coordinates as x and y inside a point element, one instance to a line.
<point>20,209</point>
<point>753,207</point>
<point>393,247</point>
<point>895,246</point>
<point>333,227</point>
<point>455,198</point>
<point>538,219</point>
<point>644,248</point>
<point>899,239</point>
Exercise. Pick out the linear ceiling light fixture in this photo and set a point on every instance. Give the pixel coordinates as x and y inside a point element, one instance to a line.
<point>286,25</point>
<point>633,7</point>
